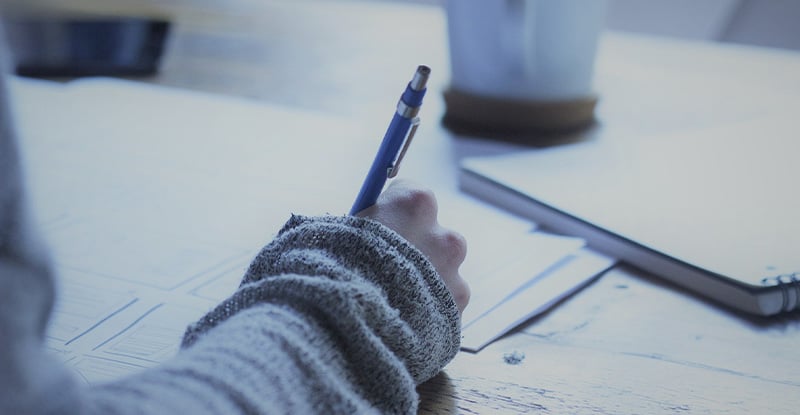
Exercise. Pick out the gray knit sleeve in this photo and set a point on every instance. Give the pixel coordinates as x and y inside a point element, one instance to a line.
<point>366,315</point>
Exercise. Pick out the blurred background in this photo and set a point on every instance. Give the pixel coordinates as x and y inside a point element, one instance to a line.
<point>249,48</point>
<point>771,23</point>
<point>756,22</point>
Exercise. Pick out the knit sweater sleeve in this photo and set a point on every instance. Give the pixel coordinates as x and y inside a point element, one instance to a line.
<point>336,315</point>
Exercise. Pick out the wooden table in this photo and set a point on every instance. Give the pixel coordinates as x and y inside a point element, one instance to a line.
<point>627,344</point>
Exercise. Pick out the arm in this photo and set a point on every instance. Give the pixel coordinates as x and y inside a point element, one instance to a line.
<point>336,315</point>
<point>26,292</point>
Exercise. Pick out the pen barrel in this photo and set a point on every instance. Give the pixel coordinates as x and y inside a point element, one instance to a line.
<point>413,98</point>
<point>410,102</point>
<point>384,159</point>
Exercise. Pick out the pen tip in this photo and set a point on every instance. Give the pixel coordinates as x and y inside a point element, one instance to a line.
<point>420,78</point>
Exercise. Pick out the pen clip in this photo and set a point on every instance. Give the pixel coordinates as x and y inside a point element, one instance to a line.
<point>395,167</point>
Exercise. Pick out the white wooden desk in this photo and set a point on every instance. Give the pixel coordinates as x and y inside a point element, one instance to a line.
<point>627,344</point>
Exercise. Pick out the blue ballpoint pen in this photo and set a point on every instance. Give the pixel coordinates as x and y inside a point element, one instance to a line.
<point>396,141</point>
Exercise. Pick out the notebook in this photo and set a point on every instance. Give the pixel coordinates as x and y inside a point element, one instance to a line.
<point>716,210</point>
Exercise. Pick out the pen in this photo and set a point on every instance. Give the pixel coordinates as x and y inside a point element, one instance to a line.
<point>395,142</point>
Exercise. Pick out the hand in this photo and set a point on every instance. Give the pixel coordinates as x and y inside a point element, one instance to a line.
<point>411,211</point>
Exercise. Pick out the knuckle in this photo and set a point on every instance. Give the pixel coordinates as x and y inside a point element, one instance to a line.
<point>461,292</point>
<point>457,245</point>
<point>453,245</point>
<point>464,295</point>
<point>418,201</point>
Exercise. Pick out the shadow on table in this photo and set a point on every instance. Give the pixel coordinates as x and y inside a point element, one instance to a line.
<point>437,395</point>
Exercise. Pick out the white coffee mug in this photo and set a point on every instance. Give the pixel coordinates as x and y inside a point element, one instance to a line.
<point>526,49</point>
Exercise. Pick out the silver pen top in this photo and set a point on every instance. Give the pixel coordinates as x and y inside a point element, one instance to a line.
<point>420,78</point>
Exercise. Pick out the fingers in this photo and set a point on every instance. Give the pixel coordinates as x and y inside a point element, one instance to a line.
<point>450,245</point>
<point>450,250</point>
<point>459,289</point>
<point>411,211</point>
<point>404,202</point>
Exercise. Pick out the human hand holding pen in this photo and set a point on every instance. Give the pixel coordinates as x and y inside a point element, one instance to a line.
<point>407,209</point>
<point>412,212</point>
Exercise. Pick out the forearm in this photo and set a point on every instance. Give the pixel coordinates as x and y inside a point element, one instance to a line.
<point>265,359</point>
<point>362,271</point>
<point>337,315</point>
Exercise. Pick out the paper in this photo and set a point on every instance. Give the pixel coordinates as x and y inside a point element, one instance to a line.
<point>155,200</point>
<point>514,270</point>
<point>504,263</point>
<point>543,292</point>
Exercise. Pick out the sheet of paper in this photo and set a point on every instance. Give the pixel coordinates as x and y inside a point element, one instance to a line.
<point>514,270</point>
<point>539,295</point>
<point>503,263</point>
